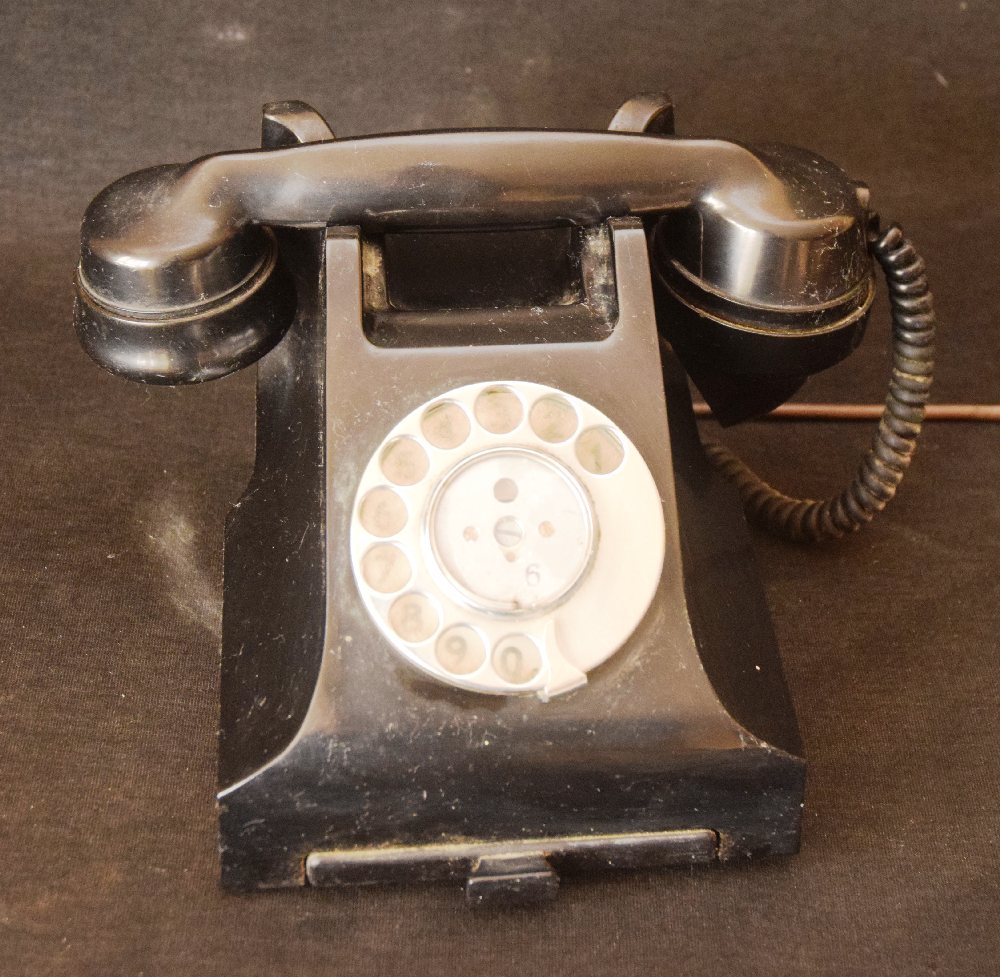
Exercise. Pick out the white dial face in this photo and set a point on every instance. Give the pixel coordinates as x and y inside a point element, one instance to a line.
<point>507,538</point>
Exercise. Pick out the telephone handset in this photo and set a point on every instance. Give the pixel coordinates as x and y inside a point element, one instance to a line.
<point>495,481</point>
<point>763,245</point>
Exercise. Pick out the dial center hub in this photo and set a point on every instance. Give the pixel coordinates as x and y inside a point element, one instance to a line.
<point>512,530</point>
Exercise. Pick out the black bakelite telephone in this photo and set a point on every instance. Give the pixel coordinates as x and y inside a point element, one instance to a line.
<point>490,613</point>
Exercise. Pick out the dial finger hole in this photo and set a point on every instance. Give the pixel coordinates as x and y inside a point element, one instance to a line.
<point>516,659</point>
<point>445,424</point>
<point>498,410</point>
<point>382,512</point>
<point>404,461</point>
<point>553,419</point>
<point>505,490</point>
<point>413,617</point>
<point>385,568</point>
<point>460,650</point>
<point>599,450</point>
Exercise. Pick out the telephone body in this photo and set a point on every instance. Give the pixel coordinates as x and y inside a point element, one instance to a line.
<point>489,612</point>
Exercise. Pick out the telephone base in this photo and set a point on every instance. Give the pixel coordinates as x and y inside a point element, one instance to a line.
<point>341,763</point>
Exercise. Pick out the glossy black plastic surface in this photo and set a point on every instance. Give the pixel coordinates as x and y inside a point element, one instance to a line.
<point>333,744</point>
<point>769,243</point>
<point>333,751</point>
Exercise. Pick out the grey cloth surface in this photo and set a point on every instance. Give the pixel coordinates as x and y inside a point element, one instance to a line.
<point>113,496</point>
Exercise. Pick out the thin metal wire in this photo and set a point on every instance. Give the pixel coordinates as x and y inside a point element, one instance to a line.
<point>867,412</point>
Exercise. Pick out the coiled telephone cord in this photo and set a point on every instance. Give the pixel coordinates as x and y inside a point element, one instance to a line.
<point>884,464</point>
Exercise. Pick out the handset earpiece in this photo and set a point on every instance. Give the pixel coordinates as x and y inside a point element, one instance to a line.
<point>181,302</point>
<point>187,299</point>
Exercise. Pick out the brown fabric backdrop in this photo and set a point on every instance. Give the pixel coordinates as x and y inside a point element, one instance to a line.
<point>112,496</point>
